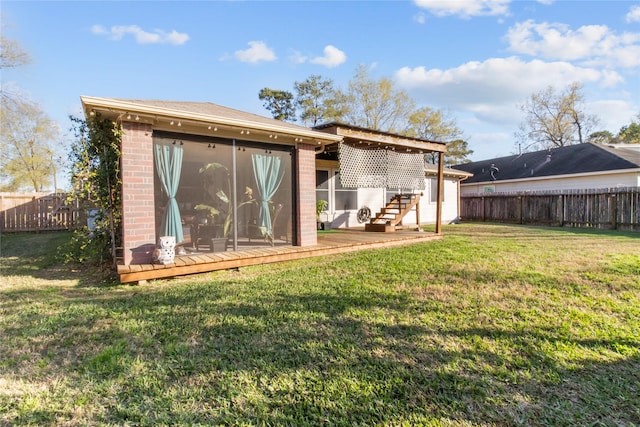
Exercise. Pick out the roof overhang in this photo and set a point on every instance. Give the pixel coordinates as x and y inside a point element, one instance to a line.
<point>216,125</point>
<point>432,170</point>
<point>370,139</point>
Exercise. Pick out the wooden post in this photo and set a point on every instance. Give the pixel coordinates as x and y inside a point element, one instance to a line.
<point>613,212</point>
<point>440,193</point>
<point>484,217</point>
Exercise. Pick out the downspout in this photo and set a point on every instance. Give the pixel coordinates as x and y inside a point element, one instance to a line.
<point>459,207</point>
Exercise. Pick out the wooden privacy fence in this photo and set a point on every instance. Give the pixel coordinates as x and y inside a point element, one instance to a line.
<point>38,212</point>
<point>615,208</point>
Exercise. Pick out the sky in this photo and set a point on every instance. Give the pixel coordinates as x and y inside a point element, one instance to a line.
<point>476,60</point>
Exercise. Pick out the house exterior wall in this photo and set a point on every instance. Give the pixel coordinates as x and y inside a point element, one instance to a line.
<point>138,207</point>
<point>376,198</point>
<point>555,183</point>
<point>428,207</point>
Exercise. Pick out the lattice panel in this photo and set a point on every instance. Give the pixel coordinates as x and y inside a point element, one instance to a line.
<point>380,168</point>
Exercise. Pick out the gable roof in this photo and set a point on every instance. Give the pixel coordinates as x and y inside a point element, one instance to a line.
<point>162,114</point>
<point>568,160</point>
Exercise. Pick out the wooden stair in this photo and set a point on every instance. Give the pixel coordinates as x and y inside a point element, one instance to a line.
<point>389,219</point>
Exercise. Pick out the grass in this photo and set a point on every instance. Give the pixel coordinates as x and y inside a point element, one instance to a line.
<point>493,325</point>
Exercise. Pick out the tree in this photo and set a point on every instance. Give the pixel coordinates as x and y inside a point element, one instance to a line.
<point>629,134</point>
<point>457,152</point>
<point>375,104</point>
<point>279,103</point>
<point>601,137</point>
<point>433,125</point>
<point>12,55</point>
<point>316,98</point>
<point>554,119</point>
<point>27,158</point>
<point>372,104</point>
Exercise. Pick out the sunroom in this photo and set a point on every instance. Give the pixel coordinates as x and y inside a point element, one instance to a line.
<point>218,180</point>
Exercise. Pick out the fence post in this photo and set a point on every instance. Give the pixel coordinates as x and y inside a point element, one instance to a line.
<point>613,211</point>
<point>483,211</point>
<point>520,210</point>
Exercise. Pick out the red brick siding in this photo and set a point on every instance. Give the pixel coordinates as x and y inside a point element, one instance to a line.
<point>138,218</point>
<point>306,182</point>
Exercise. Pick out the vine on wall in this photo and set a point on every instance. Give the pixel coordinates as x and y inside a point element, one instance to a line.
<point>97,186</point>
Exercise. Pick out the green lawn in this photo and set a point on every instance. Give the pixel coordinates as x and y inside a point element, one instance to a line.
<point>493,325</point>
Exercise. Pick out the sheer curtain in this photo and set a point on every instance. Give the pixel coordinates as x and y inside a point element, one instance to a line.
<point>268,173</point>
<point>169,166</point>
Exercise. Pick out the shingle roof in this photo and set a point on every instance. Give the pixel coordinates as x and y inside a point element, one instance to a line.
<point>573,159</point>
<point>211,109</point>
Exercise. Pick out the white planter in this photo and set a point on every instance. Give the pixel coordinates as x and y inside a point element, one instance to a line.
<point>165,251</point>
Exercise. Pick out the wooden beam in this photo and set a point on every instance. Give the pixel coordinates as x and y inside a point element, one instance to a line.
<point>353,135</point>
<point>440,193</point>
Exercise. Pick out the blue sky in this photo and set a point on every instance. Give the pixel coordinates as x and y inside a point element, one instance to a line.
<point>475,59</point>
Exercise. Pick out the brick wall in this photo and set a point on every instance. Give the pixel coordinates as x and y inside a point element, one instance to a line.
<point>306,182</point>
<point>138,218</point>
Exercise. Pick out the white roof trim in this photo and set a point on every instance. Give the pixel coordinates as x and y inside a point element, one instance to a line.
<point>133,108</point>
<point>550,177</point>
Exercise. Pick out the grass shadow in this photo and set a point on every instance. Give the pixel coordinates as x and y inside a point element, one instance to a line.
<point>38,255</point>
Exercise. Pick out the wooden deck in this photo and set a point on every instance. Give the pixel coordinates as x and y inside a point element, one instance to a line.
<point>329,243</point>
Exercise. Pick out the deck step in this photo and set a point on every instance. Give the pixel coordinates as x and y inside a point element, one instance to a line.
<point>381,228</point>
<point>389,219</point>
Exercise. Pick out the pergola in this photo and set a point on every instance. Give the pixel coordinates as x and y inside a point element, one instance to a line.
<point>378,159</point>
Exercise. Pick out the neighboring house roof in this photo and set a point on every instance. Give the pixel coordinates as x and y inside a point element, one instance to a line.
<point>568,160</point>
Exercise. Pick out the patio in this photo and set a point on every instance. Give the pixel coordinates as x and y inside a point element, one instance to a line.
<point>329,242</point>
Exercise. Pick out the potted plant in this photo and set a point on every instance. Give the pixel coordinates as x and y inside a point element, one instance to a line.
<point>214,174</point>
<point>321,206</point>
<point>216,203</point>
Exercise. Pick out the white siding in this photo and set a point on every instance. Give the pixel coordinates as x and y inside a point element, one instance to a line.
<point>376,198</point>
<point>428,208</point>
<point>567,182</point>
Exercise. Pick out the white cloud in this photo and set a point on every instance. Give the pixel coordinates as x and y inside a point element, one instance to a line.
<point>332,57</point>
<point>420,18</point>
<point>492,89</point>
<point>257,52</point>
<point>590,44</point>
<point>613,113</point>
<point>633,15</point>
<point>465,8</point>
<point>117,32</point>
<point>298,57</point>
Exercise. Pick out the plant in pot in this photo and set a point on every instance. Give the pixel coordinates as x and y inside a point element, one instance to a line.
<point>215,177</point>
<point>216,204</point>
<point>321,206</point>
